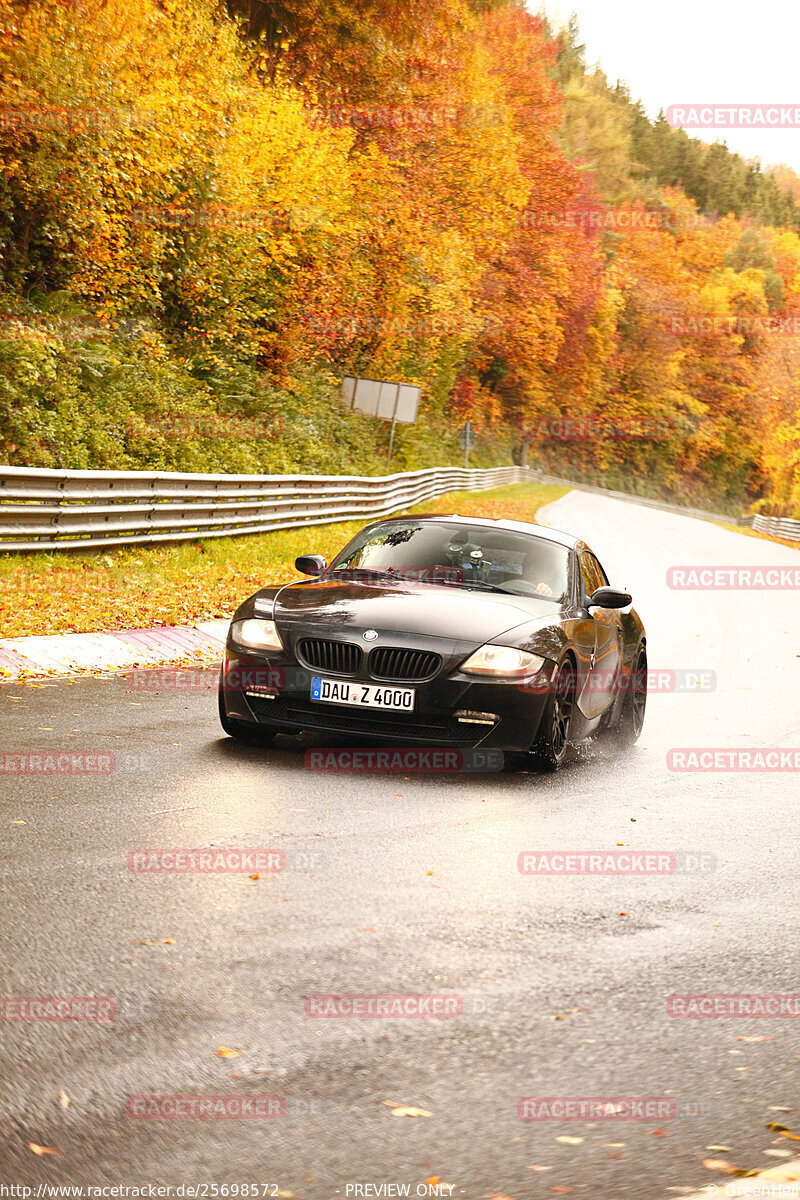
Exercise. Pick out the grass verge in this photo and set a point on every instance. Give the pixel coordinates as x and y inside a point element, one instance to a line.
<point>765,537</point>
<point>139,586</point>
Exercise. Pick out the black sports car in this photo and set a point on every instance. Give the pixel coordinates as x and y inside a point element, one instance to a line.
<point>442,631</point>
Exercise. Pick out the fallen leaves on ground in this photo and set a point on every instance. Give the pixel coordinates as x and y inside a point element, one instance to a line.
<point>723,1167</point>
<point>224,1052</point>
<point>787,1133</point>
<point>42,1149</point>
<point>569,1141</point>
<point>136,586</point>
<point>401,1110</point>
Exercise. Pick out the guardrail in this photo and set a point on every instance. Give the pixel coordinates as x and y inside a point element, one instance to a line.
<point>782,527</point>
<point>64,510</point>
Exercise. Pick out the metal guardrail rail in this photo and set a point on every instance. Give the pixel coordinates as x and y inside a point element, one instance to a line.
<point>782,527</point>
<point>62,510</point>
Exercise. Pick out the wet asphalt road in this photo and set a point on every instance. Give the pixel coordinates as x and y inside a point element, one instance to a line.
<point>410,885</point>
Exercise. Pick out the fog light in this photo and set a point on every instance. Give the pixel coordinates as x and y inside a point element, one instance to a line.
<point>467,717</point>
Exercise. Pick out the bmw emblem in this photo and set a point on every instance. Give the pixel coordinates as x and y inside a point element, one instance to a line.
<point>369,635</point>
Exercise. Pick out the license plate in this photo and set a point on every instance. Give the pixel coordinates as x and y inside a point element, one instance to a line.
<point>362,695</point>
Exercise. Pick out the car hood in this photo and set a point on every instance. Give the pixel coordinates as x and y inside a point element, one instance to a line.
<point>446,612</point>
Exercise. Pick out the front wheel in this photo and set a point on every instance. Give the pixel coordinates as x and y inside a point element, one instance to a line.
<point>633,706</point>
<point>244,731</point>
<point>552,742</point>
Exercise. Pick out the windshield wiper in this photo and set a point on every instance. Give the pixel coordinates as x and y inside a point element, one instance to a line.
<point>362,571</point>
<point>481,584</point>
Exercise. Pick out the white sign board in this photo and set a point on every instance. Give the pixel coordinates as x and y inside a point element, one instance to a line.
<point>378,398</point>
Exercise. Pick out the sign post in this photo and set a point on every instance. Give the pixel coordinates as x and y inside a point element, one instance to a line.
<point>388,401</point>
<point>391,443</point>
<point>466,440</point>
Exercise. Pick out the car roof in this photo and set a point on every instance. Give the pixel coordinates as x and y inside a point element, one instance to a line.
<point>541,531</point>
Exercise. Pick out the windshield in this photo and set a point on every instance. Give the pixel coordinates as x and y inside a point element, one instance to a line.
<point>449,554</point>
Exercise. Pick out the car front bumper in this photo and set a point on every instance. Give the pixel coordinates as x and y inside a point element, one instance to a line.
<point>276,692</point>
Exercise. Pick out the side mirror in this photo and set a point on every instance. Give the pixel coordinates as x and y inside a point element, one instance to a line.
<point>310,564</point>
<point>609,597</point>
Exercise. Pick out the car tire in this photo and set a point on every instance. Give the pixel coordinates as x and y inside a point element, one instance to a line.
<point>552,741</point>
<point>244,731</point>
<point>634,702</point>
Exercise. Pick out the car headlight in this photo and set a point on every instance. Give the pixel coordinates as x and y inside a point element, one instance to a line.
<point>257,634</point>
<point>501,661</point>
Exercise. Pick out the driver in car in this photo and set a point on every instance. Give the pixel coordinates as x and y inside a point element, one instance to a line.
<point>541,575</point>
